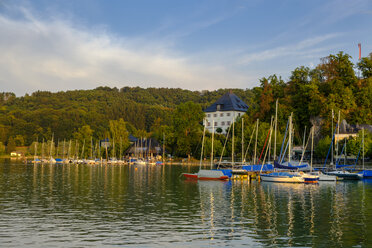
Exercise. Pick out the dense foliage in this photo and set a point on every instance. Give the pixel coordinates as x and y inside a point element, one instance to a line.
<point>176,114</point>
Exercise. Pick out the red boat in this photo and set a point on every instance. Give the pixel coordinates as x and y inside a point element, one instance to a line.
<point>190,175</point>
<point>206,175</point>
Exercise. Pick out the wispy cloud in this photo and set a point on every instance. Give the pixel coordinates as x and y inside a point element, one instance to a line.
<point>54,55</point>
<point>337,10</point>
<point>305,48</point>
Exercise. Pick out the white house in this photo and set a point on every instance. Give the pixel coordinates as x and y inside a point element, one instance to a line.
<point>224,112</point>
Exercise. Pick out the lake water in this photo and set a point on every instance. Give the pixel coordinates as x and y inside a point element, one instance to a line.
<point>151,206</point>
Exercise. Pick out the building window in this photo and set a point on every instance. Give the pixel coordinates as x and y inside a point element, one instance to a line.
<point>238,114</point>
<point>227,114</point>
<point>215,124</point>
<point>214,115</point>
<point>209,115</point>
<point>218,107</point>
<point>208,124</point>
<point>222,123</point>
<point>221,115</point>
<point>228,123</point>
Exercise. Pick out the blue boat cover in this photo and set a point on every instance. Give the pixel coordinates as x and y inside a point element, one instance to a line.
<point>279,174</point>
<point>288,167</point>
<point>226,172</point>
<point>257,167</point>
<point>366,173</point>
<point>344,165</point>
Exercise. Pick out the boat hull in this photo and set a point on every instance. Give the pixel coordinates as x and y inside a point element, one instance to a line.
<point>344,175</point>
<point>190,175</point>
<point>206,175</point>
<point>282,178</point>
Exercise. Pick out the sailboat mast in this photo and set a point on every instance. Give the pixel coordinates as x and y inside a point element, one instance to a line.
<point>77,150</point>
<point>35,147</point>
<point>113,147</point>
<point>163,147</point>
<point>63,152</point>
<point>255,145</point>
<point>149,154</point>
<point>303,141</point>
<point>232,143</point>
<point>82,150</point>
<point>312,148</point>
<point>91,147</point>
<point>69,150</point>
<point>57,151</point>
<point>332,135</point>
<point>345,152</point>
<point>363,148</point>
<point>242,140</point>
<point>99,149</point>
<point>338,133</point>
<point>290,138</point>
<point>276,125</point>
<point>201,154</point>
<point>212,145</point>
<point>51,147</point>
<point>271,129</point>
<point>42,150</point>
<point>106,145</point>
<point>121,145</point>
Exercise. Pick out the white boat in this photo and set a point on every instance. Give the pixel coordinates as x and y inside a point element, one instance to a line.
<point>36,161</point>
<point>282,177</point>
<point>140,162</point>
<point>324,177</point>
<point>90,161</point>
<point>344,175</point>
<point>309,178</point>
<point>211,175</point>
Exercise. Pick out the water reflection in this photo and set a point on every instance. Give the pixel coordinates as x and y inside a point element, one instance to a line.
<point>85,205</point>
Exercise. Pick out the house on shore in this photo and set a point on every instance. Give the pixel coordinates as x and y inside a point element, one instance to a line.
<point>144,147</point>
<point>224,112</point>
<point>349,130</point>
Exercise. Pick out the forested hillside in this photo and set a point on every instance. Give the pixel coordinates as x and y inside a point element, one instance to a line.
<point>336,83</point>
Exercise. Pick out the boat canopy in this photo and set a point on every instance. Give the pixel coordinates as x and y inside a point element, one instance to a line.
<point>280,174</point>
<point>289,166</point>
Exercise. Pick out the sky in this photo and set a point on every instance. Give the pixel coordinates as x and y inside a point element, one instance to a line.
<point>60,45</point>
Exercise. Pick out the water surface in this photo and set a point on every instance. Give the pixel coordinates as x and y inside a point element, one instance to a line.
<point>151,206</point>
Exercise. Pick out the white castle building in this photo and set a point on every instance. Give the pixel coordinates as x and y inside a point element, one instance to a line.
<point>224,112</point>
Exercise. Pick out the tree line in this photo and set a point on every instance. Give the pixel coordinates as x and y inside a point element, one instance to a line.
<point>84,115</point>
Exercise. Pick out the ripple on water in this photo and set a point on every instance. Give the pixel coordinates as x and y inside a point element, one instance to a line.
<point>82,206</point>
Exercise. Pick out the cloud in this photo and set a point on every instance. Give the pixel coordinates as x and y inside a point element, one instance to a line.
<point>306,48</point>
<point>54,55</point>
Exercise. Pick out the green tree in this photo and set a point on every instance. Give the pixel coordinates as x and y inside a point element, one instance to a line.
<point>11,146</point>
<point>187,119</point>
<point>322,147</point>
<point>2,148</point>
<point>119,133</point>
<point>83,136</point>
<point>365,66</point>
<point>19,140</point>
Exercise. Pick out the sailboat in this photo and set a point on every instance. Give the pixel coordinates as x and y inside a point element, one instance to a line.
<point>51,160</point>
<point>364,173</point>
<point>36,159</point>
<point>289,165</point>
<point>338,171</point>
<point>321,176</point>
<point>280,176</point>
<point>206,174</point>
